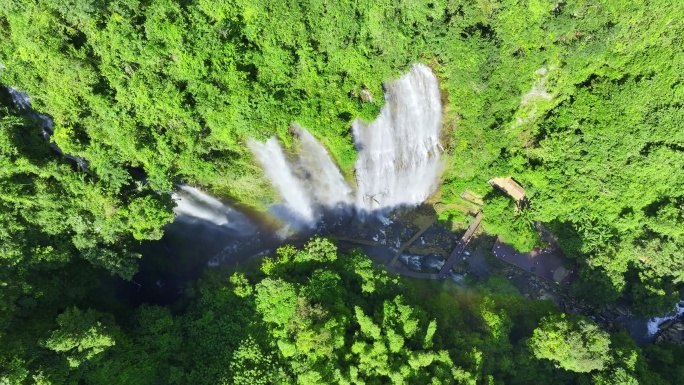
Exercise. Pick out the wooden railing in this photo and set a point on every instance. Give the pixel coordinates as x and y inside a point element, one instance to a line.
<point>460,248</point>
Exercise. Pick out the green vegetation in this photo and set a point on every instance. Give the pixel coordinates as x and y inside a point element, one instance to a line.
<point>580,101</point>
<point>576,345</point>
<point>313,316</point>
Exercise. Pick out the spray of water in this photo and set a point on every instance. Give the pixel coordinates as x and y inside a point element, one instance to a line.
<point>653,325</point>
<point>281,174</point>
<point>324,180</point>
<point>193,204</point>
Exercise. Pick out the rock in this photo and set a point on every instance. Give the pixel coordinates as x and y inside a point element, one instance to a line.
<point>625,311</point>
<point>366,96</point>
<point>671,332</point>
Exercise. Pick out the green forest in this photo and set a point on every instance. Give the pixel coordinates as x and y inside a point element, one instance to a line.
<point>580,101</point>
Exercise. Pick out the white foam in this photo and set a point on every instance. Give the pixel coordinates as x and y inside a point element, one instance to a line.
<point>280,173</point>
<point>399,153</point>
<point>435,263</point>
<point>413,261</point>
<point>195,204</point>
<point>654,323</point>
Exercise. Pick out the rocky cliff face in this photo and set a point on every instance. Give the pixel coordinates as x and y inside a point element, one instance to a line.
<point>671,332</point>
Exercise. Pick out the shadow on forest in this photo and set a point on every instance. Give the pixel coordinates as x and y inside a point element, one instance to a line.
<point>25,136</point>
<point>189,245</point>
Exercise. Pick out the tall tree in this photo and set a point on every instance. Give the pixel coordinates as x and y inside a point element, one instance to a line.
<point>573,343</point>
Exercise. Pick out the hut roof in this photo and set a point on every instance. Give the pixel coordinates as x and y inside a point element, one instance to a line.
<point>509,186</point>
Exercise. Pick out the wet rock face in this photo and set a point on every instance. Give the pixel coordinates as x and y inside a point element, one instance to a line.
<point>366,96</point>
<point>671,332</point>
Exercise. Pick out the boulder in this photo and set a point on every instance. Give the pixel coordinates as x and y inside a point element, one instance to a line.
<point>671,332</point>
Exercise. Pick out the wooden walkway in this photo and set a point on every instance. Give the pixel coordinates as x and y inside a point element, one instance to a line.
<point>410,273</point>
<point>547,264</point>
<point>396,268</point>
<point>460,248</point>
<point>358,241</point>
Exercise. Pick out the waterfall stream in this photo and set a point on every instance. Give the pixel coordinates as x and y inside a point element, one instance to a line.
<point>193,204</point>
<point>399,153</point>
<point>653,325</point>
<point>23,102</point>
<point>324,180</point>
<point>21,99</point>
<point>398,156</point>
<point>281,174</point>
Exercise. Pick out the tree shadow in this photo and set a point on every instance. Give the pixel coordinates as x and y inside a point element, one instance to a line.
<point>567,238</point>
<point>25,132</point>
<point>31,134</point>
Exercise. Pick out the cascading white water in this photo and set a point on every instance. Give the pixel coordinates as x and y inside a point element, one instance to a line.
<point>653,325</point>
<point>413,261</point>
<point>21,99</point>
<point>325,181</point>
<point>313,181</point>
<point>192,203</point>
<point>279,171</point>
<point>398,155</point>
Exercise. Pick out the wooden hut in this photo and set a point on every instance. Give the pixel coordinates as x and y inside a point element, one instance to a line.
<point>509,186</point>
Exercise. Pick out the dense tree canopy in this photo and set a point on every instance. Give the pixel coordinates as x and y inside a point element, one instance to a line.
<point>576,345</point>
<point>314,316</point>
<point>580,101</point>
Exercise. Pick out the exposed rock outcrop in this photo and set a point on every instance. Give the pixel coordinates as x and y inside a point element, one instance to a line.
<point>671,332</point>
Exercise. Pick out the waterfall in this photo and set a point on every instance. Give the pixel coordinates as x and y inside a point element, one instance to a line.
<point>313,181</point>
<point>653,325</point>
<point>297,198</point>
<point>324,178</point>
<point>21,99</point>
<point>398,155</point>
<point>193,204</point>
<point>23,102</point>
